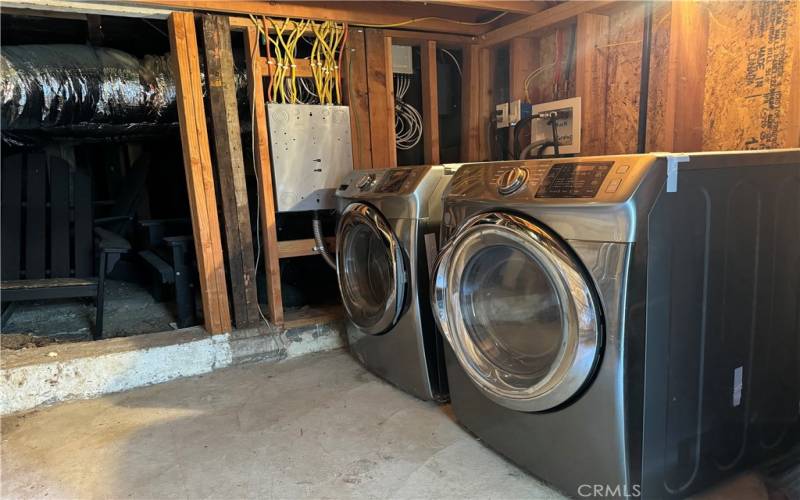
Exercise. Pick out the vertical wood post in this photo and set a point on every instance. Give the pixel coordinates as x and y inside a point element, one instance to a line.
<point>230,169</point>
<point>430,102</point>
<point>523,58</point>
<point>591,80</point>
<point>470,104</point>
<point>686,64</point>
<point>381,98</point>
<point>357,95</point>
<point>269,234</point>
<point>486,102</point>
<point>199,175</point>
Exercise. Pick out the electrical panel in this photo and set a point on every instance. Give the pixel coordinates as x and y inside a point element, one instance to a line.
<point>311,152</point>
<point>402,61</point>
<point>568,125</point>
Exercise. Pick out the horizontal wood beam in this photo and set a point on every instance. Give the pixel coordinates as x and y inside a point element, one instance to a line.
<point>303,69</point>
<point>561,14</point>
<point>516,7</point>
<point>367,14</point>
<point>302,248</point>
<point>421,37</point>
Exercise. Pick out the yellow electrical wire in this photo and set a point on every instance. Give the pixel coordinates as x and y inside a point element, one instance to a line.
<point>433,18</point>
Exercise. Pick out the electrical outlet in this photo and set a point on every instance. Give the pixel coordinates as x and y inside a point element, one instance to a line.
<point>501,113</point>
<point>518,110</point>
<point>568,127</point>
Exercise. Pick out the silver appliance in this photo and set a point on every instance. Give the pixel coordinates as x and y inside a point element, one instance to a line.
<point>386,241</point>
<point>311,151</point>
<point>627,325</point>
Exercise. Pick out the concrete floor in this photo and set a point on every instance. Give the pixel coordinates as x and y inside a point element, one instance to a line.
<point>318,426</point>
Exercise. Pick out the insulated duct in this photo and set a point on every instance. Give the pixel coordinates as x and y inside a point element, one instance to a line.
<point>79,90</point>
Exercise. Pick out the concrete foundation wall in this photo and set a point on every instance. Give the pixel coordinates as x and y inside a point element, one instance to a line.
<point>47,375</point>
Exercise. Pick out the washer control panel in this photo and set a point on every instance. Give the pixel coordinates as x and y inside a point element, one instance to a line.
<point>393,181</point>
<point>365,182</point>
<point>585,179</point>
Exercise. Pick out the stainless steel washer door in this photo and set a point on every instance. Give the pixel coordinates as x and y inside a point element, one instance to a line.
<point>369,264</point>
<point>519,312</point>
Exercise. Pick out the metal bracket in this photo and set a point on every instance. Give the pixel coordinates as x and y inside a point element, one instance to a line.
<point>672,171</point>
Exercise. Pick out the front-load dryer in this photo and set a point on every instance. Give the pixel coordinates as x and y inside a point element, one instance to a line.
<point>625,325</point>
<point>386,243</point>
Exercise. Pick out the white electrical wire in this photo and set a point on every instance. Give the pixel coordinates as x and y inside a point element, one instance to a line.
<point>407,120</point>
<point>458,66</point>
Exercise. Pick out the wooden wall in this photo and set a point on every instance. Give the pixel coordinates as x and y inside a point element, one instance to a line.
<point>723,75</point>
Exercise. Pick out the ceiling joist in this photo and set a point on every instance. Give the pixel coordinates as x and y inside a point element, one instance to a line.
<point>549,18</point>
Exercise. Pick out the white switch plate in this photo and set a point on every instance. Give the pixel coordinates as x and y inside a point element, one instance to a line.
<point>502,115</point>
<point>569,128</point>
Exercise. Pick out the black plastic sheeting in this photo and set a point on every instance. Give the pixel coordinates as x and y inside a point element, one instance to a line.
<point>80,91</point>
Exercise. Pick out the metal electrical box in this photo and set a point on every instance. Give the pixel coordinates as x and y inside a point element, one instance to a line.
<point>311,153</point>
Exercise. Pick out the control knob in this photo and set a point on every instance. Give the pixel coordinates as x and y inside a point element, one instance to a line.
<point>511,181</point>
<point>365,182</point>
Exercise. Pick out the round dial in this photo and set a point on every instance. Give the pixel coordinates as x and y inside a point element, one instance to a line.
<point>511,182</point>
<point>365,182</point>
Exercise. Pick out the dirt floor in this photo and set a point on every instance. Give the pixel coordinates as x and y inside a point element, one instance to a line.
<point>318,426</point>
<point>129,310</point>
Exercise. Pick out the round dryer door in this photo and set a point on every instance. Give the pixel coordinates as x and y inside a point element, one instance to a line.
<point>369,264</point>
<point>519,312</point>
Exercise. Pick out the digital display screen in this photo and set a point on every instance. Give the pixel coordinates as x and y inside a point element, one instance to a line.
<point>574,180</point>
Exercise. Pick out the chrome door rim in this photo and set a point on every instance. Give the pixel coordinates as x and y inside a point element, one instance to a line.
<point>363,214</point>
<point>582,337</point>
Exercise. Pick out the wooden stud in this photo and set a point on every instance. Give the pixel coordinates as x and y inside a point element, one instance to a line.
<point>591,80</point>
<point>199,175</point>
<point>230,169</point>
<point>686,62</point>
<point>470,104</point>
<point>420,37</point>
<point>559,15</point>
<point>486,102</point>
<point>269,234</point>
<point>381,98</point>
<point>793,115</point>
<point>523,58</point>
<point>302,69</point>
<point>514,6</point>
<point>357,97</point>
<point>430,102</point>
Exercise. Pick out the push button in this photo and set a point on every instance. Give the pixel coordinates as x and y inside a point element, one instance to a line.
<point>613,185</point>
<point>623,168</point>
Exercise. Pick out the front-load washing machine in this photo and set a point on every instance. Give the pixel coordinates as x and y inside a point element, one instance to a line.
<point>625,325</point>
<point>386,243</point>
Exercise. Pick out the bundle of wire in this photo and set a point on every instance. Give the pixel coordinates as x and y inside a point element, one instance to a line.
<point>407,120</point>
<point>327,50</point>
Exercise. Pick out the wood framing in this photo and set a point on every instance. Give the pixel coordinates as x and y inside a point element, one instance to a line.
<point>266,193</point>
<point>381,98</point>
<point>230,169</point>
<point>591,80</point>
<point>470,104</point>
<point>486,102</point>
<point>363,13</point>
<point>302,248</point>
<point>686,65</point>
<point>357,97</point>
<point>514,6</point>
<point>430,102</point>
<point>199,174</point>
<point>550,18</point>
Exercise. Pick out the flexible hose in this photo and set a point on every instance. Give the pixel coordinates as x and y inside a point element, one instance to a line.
<point>316,226</point>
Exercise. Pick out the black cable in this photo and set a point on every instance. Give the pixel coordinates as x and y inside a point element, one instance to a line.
<point>517,128</point>
<point>554,125</point>
<point>644,84</point>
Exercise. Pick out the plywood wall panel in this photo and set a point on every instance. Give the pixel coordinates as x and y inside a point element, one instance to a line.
<point>752,49</point>
<point>624,73</point>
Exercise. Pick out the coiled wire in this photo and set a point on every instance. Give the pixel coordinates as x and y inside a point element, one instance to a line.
<point>407,120</point>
